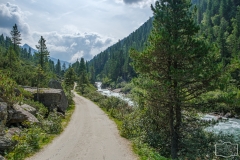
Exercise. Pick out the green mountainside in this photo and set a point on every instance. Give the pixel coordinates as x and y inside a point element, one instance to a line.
<point>219,22</point>
<point>114,62</point>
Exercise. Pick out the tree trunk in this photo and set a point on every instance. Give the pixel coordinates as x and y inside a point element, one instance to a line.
<point>38,87</point>
<point>173,134</point>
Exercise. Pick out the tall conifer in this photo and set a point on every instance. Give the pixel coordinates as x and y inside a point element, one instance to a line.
<point>179,68</point>
<point>15,37</point>
<point>42,51</point>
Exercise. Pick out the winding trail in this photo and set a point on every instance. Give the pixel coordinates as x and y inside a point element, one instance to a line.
<point>90,135</point>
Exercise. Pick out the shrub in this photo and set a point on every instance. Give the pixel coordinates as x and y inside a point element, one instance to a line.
<point>41,109</point>
<point>28,142</point>
<point>52,125</point>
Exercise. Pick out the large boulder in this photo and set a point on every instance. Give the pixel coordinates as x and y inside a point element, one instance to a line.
<point>20,113</point>
<point>29,109</point>
<point>54,84</point>
<point>228,115</point>
<point>6,141</point>
<point>3,116</point>
<point>51,98</point>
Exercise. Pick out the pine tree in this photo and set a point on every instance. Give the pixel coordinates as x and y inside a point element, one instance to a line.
<point>51,66</point>
<point>42,52</point>
<point>83,80</point>
<point>82,66</point>
<point>64,67</point>
<point>58,68</point>
<point>12,57</point>
<point>15,37</point>
<point>2,40</point>
<point>92,75</point>
<point>29,53</point>
<point>178,67</point>
<point>76,67</point>
<point>70,77</point>
<point>8,42</point>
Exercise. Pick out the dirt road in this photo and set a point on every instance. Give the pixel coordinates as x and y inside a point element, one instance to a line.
<point>90,135</point>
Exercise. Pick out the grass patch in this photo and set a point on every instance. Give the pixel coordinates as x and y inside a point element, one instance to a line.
<point>68,115</point>
<point>117,121</point>
<point>145,152</point>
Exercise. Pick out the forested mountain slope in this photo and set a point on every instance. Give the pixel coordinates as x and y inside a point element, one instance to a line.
<point>113,63</point>
<point>219,22</point>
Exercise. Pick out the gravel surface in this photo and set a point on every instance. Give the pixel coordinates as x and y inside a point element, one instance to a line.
<point>90,135</point>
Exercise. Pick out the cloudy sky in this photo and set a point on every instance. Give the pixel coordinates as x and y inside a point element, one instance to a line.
<point>73,28</point>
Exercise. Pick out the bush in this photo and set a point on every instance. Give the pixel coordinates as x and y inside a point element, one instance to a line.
<point>41,109</point>
<point>131,127</point>
<point>145,151</point>
<point>127,88</point>
<point>94,96</point>
<point>52,125</point>
<point>28,142</point>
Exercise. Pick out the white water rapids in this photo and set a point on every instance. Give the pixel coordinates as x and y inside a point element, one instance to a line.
<point>109,93</point>
<point>226,126</point>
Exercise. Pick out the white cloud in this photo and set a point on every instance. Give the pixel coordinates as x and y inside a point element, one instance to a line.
<point>95,51</point>
<point>65,46</point>
<point>74,44</point>
<point>137,3</point>
<point>11,14</point>
<point>88,26</point>
<point>69,29</point>
<point>87,42</point>
<point>76,56</point>
<point>119,1</point>
<point>54,48</point>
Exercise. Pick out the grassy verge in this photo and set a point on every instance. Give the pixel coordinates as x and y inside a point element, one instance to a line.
<point>117,121</point>
<point>35,136</point>
<point>117,110</point>
<point>68,115</point>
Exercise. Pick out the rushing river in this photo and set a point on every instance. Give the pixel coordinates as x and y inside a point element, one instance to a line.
<point>109,93</point>
<point>227,126</point>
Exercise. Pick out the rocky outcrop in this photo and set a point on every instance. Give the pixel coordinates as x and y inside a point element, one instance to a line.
<point>20,113</point>
<point>51,98</point>
<point>54,84</point>
<point>117,90</point>
<point>3,116</point>
<point>6,141</point>
<point>28,108</point>
<point>228,115</point>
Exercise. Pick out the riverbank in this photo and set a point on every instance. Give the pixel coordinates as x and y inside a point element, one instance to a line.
<point>133,123</point>
<point>115,93</point>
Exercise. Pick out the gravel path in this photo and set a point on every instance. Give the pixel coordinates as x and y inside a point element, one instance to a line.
<point>90,135</point>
